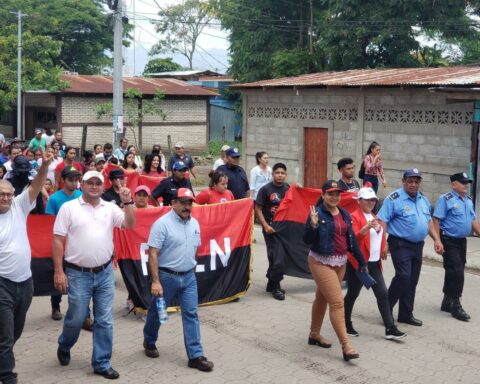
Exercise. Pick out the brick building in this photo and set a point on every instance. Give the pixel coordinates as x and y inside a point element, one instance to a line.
<point>422,118</point>
<point>185,106</point>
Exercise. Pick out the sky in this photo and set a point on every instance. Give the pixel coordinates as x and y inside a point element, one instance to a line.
<point>212,52</point>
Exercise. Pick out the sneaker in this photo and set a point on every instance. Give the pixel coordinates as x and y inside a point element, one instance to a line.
<point>392,333</point>
<point>351,331</point>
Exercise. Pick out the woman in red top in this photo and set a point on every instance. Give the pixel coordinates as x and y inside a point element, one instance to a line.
<point>372,167</point>
<point>152,166</point>
<point>370,234</point>
<point>217,191</point>
<point>129,162</point>
<point>70,154</point>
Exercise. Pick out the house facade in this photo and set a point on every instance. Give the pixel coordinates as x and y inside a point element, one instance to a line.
<point>185,107</point>
<point>422,118</point>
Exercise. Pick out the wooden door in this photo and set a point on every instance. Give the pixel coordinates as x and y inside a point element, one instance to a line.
<point>315,157</point>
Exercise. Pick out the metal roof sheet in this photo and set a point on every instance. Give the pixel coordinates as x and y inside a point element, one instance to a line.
<point>445,76</point>
<point>148,86</point>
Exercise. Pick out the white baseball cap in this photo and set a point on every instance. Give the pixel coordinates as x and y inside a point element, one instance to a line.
<point>91,174</point>
<point>225,147</point>
<point>366,193</point>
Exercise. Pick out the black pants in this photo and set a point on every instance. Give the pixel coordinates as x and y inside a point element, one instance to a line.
<point>15,299</point>
<point>407,260</point>
<point>275,263</point>
<point>55,300</point>
<point>454,260</point>
<point>379,290</point>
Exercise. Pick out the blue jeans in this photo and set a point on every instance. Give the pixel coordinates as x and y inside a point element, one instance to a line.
<point>183,287</point>
<point>83,286</point>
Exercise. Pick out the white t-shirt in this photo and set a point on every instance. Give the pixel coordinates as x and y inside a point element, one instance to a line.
<point>375,240</point>
<point>89,231</point>
<point>217,164</point>
<point>15,253</point>
<point>47,138</point>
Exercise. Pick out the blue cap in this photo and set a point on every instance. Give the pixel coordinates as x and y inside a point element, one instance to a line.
<point>412,172</point>
<point>232,152</point>
<point>178,166</point>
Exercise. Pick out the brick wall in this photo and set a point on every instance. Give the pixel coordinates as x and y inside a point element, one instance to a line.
<point>415,128</point>
<point>191,112</point>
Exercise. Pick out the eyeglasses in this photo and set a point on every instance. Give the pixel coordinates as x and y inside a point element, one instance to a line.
<point>6,195</point>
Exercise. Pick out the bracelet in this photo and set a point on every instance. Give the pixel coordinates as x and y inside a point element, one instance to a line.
<point>129,203</point>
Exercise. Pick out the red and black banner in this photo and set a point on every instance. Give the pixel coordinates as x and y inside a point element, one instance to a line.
<point>289,224</point>
<point>224,257</point>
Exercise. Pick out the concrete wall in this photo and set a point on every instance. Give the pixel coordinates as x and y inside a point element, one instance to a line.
<point>186,120</point>
<point>416,128</point>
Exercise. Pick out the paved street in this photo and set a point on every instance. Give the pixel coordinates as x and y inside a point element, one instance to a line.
<point>260,340</point>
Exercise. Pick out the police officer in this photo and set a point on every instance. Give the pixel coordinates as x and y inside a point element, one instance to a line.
<point>167,188</point>
<point>454,218</point>
<point>406,212</point>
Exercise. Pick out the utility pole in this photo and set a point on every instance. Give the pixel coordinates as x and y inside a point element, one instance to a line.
<point>311,27</point>
<point>117,74</point>
<point>19,74</point>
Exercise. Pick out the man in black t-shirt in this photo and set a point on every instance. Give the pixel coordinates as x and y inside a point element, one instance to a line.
<point>347,183</point>
<point>266,205</point>
<point>167,189</point>
<point>117,177</point>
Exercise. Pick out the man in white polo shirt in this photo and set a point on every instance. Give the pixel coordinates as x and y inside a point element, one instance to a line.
<point>16,286</point>
<point>87,225</point>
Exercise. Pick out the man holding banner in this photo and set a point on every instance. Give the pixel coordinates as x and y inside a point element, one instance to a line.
<point>87,225</point>
<point>16,286</point>
<point>173,243</point>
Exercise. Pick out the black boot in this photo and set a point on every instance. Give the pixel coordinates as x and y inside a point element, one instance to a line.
<point>446,304</point>
<point>458,312</point>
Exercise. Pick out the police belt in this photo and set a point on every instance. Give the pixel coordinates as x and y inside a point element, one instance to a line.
<point>447,237</point>
<point>163,269</point>
<point>85,269</point>
<point>408,241</point>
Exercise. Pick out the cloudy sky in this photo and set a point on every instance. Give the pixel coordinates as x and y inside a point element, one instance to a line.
<point>212,52</point>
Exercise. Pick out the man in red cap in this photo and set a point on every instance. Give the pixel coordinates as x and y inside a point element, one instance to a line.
<point>173,243</point>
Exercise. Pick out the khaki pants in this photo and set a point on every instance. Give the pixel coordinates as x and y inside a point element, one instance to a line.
<point>329,291</point>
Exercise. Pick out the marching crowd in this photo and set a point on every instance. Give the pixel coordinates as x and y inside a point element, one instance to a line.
<point>45,177</point>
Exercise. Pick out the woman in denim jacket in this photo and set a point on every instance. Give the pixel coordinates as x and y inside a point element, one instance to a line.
<point>329,231</point>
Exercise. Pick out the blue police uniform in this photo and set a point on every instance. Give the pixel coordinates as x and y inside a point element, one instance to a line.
<point>407,222</point>
<point>455,215</point>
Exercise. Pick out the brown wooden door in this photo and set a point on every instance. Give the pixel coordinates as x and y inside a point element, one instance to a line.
<point>316,157</point>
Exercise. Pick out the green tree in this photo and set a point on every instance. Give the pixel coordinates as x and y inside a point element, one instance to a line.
<point>57,35</point>
<point>180,27</point>
<point>274,38</point>
<point>136,108</point>
<point>161,65</point>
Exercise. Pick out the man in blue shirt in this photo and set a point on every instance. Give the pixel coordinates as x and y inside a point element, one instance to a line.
<point>407,215</point>
<point>237,178</point>
<point>181,155</point>
<point>121,151</point>
<point>173,243</point>
<point>454,219</point>
<point>70,177</point>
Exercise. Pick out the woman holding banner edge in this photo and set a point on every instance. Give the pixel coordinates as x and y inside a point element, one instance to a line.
<point>329,231</point>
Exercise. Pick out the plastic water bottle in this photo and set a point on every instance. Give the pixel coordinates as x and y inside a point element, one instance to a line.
<point>162,310</point>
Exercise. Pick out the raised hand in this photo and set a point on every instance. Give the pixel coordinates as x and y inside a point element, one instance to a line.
<point>313,216</point>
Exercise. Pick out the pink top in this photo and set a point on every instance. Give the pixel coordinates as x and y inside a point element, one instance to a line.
<point>373,168</point>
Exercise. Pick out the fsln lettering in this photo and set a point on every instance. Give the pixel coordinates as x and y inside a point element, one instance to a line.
<point>216,250</point>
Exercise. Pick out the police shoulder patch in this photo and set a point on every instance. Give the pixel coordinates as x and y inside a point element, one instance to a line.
<point>448,196</point>
<point>393,196</point>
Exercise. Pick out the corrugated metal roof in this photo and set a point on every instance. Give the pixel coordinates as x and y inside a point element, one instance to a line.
<point>148,86</point>
<point>445,76</point>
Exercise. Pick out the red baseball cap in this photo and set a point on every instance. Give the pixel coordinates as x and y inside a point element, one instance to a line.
<point>185,193</point>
